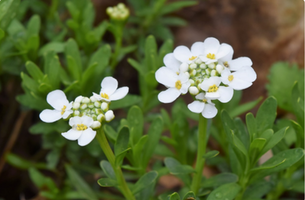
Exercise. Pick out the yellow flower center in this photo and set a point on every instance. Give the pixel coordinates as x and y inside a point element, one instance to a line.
<point>104,95</point>
<point>211,56</point>
<point>213,88</point>
<point>63,110</point>
<point>193,58</point>
<point>226,64</point>
<point>178,84</point>
<point>204,100</point>
<point>230,78</point>
<point>81,127</point>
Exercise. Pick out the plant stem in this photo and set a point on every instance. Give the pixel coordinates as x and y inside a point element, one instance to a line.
<point>202,142</point>
<point>117,169</point>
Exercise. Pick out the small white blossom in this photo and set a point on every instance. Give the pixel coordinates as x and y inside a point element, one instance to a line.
<point>62,108</point>
<point>172,63</point>
<point>214,91</point>
<point>184,54</point>
<point>110,91</point>
<point>177,84</point>
<point>80,130</point>
<point>240,79</point>
<point>204,106</point>
<point>239,63</point>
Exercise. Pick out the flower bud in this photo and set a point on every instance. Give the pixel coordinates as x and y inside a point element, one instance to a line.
<point>79,99</point>
<point>86,100</point>
<point>198,61</point>
<point>193,65</point>
<point>93,99</point>
<point>211,65</point>
<point>83,106</point>
<point>97,104</point>
<point>213,72</point>
<point>219,68</point>
<point>96,125</point>
<point>76,105</point>
<point>100,117</point>
<point>191,81</point>
<point>104,106</point>
<point>202,66</point>
<point>76,113</point>
<point>183,67</point>
<point>109,115</point>
<point>193,90</point>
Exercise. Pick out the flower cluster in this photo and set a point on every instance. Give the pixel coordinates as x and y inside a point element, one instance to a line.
<point>85,114</point>
<point>207,71</point>
<point>119,12</point>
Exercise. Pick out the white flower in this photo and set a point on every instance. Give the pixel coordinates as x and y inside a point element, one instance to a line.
<point>80,130</point>
<point>183,54</point>
<point>177,84</point>
<point>62,108</point>
<point>240,79</point>
<point>213,50</point>
<point>239,63</point>
<point>214,91</point>
<point>109,115</point>
<point>171,62</point>
<point>203,106</point>
<point>110,91</point>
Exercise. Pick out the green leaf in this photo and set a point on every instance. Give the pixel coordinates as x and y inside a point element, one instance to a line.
<point>174,196</point>
<point>138,149</point>
<point>251,126</point>
<point>33,26</point>
<point>239,145</point>
<point>299,133</point>
<point>256,147</point>
<point>107,182</point>
<point>21,163</point>
<point>281,89</point>
<point>275,138</point>
<point>57,47</point>
<point>29,82</point>
<point>137,66</point>
<point>297,100</point>
<point>257,190</point>
<point>87,75</point>
<point>173,21</point>
<point>41,181</point>
<point>166,118</point>
<point>122,141</point>
<point>238,110</point>
<point>73,10</point>
<point>127,101</point>
<point>151,80</point>
<point>52,68</point>
<point>73,58</point>
<point>145,181</point>
<point>219,180</point>
<point>107,169</point>
<point>227,191</point>
<point>82,187</point>
<point>34,71</point>
<point>189,196</point>
<point>210,154</point>
<point>150,53</point>
<point>278,163</point>
<point>175,167</point>
<point>166,48</point>
<point>2,34</point>
<point>110,132</point>
<point>266,114</point>
<point>135,122</point>
<point>8,11</point>
<point>154,134</point>
<point>176,6</point>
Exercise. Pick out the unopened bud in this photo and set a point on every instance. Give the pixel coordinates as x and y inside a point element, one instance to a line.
<point>96,125</point>
<point>76,105</point>
<point>79,99</point>
<point>109,115</point>
<point>183,67</point>
<point>104,106</point>
<point>193,90</point>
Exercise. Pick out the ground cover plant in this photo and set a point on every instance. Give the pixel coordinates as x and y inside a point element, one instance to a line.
<point>180,113</point>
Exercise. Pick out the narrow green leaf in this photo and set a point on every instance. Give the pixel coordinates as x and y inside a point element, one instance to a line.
<point>138,149</point>
<point>107,169</point>
<point>239,145</point>
<point>175,167</point>
<point>73,10</point>
<point>150,53</point>
<point>257,190</point>
<point>2,34</point>
<point>136,65</point>
<point>29,82</point>
<point>57,47</point>
<point>210,154</point>
<point>73,57</point>
<point>8,11</point>
<point>135,122</point>
<point>174,196</point>
<point>107,182</point>
<point>52,68</point>
<point>276,138</point>
<point>266,114</point>
<point>154,134</point>
<point>42,181</point>
<point>122,141</point>
<point>189,196</point>
<point>176,6</point>
<point>21,163</point>
<point>256,147</point>
<point>144,181</point>
<point>33,26</point>
<point>83,188</point>
<point>299,133</point>
<point>110,132</point>
<point>87,75</point>
<point>128,100</point>
<point>238,110</point>
<point>251,126</point>
<point>297,100</point>
<point>34,71</point>
<point>227,191</point>
<point>218,180</point>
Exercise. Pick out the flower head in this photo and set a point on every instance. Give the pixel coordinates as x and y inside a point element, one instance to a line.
<point>62,108</point>
<point>110,91</point>
<point>240,79</point>
<point>177,84</point>
<point>80,130</point>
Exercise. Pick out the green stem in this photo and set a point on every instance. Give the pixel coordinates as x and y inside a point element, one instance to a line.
<point>202,142</point>
<point>101,137</point>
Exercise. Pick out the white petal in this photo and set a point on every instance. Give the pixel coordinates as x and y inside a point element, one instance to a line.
<point>196,106</point>
<point>66,114</point>
<point>169,95</point>
<point>87,120</point>
<point>57,99</point>
<point>72,134</point>
<point>240,62</point>
<point>213,95</point>
<point>211,45</point>
<point>185,87</point>
<point>109,85</point>
<point>246,73</point>
<point>209,111</point>
<point>209,82</point>
<point>171,62</point>
<point>86,137</point>
<point>197,48</point>
<point>97,96</point>
<point>119,93</point>
<point>50,116</point>
<point>226,94</point>
<point>73,121</point>
<point>200,96</point>
<point>238,84</point>
<point>166,76</point>
<point>182,53</point>
<point>229,56</point>
<point>223,50</point>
